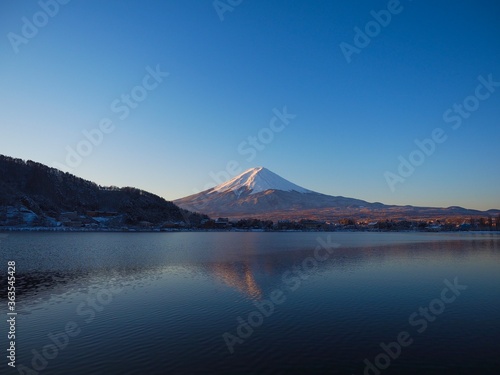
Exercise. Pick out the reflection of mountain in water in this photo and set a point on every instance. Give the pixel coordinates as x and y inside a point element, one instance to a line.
<point>256,276</point>
<point>237,276</point>
<point>253,274</point>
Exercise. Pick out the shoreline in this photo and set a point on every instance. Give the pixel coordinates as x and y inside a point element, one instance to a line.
<point>174,230</point>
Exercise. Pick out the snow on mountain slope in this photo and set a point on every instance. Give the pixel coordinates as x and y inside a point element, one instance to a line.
<point>258,180</point>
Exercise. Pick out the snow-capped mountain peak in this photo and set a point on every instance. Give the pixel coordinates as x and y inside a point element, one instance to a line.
<point>257,180</point>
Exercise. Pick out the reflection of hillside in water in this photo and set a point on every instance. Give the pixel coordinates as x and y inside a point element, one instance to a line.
<point>36,288</point>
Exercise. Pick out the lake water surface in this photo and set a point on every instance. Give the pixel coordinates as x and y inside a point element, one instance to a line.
<point>253,303</point>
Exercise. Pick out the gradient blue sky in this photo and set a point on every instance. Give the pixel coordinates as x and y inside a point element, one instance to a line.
<point>226,77</point>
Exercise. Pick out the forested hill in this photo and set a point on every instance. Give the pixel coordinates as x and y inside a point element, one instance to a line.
<point>32,194</point>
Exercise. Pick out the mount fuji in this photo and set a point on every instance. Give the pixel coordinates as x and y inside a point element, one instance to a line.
<point>257,180</point>
<point>260,193</point>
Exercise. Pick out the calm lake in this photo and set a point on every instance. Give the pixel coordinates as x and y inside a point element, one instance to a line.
<point>253,303</point>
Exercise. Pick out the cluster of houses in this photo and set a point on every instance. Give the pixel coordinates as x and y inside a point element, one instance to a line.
<point>91,219</point>
<point>104,219</point>
<point>349,224</point>
<point>108,219</point>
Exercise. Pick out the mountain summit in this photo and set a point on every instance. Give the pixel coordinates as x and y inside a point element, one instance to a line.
<point>258,192</point>
<point>257,180</point>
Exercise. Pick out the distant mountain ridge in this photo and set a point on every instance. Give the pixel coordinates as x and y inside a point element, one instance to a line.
<point>33,194</point>
<point>260,193</point>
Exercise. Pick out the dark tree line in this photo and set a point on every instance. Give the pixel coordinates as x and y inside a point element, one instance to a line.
<point>48,192</point>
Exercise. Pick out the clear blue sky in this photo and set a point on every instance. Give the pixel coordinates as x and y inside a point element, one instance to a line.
<point>353,120</point>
